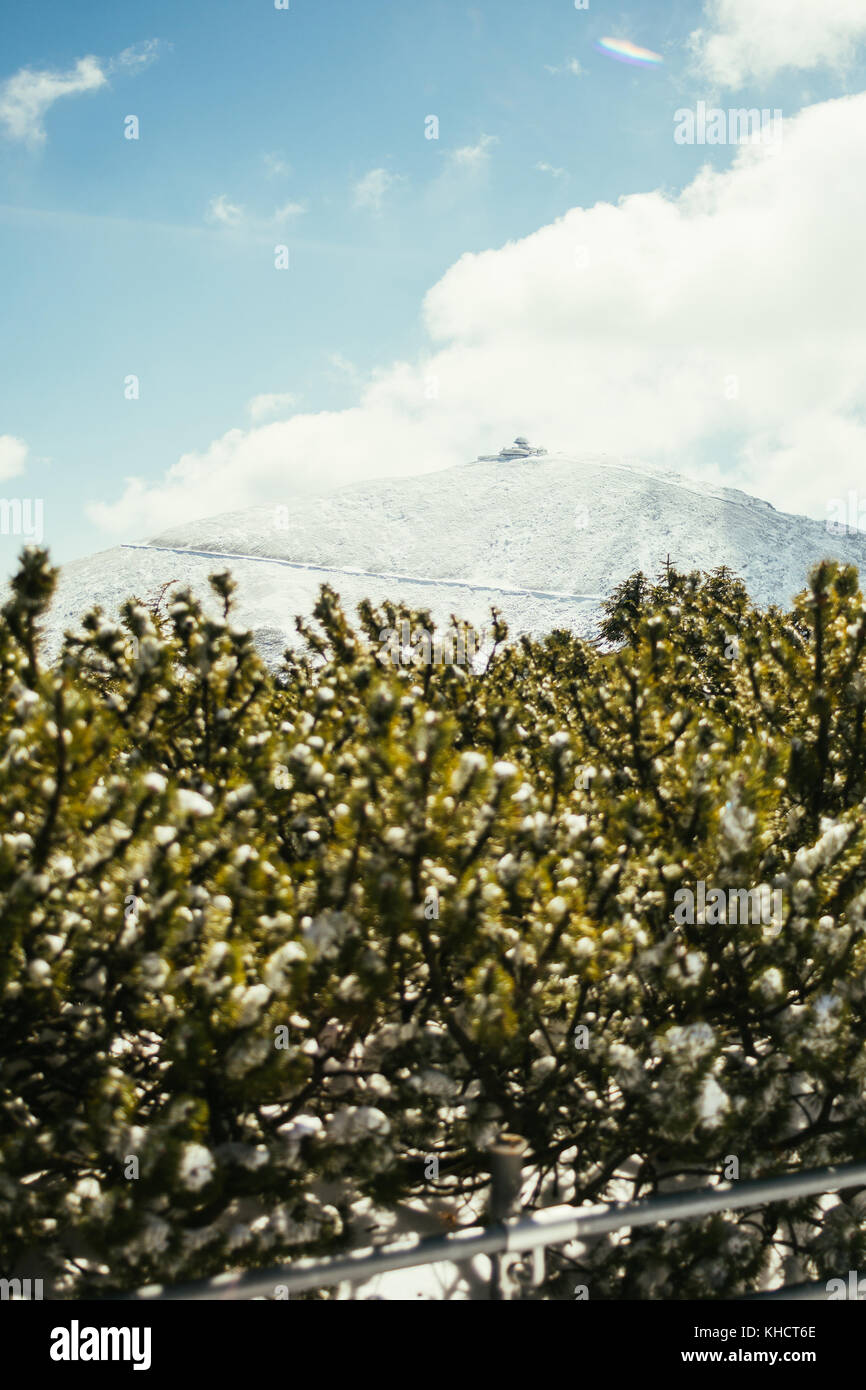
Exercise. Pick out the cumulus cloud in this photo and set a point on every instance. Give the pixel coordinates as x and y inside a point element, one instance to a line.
<point>271,403</point>
<point>27,96</point>
<point>719,328</point>
<point>745,39</point>
<point>13,456</point>
<point>369,192</point>
<point>552,170</point>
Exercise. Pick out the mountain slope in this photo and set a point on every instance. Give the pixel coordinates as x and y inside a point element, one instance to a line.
<point>559,523</point>
<point>542,538</point>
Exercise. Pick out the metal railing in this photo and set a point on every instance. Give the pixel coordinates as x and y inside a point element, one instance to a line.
<point>509,1235</point>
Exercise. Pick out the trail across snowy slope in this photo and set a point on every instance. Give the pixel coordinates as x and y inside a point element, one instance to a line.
<point>270,594</point>
<point>354,574</point>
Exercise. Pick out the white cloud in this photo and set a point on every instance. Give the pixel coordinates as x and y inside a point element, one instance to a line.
<point>221,212</point>
<point>571,66</point>
<point>27,96</point>
<point>276,166</point>
<point>224,213</point>
<point>272,403</point>
<point>369,192</point>
<point>552,170</point>
<point>343,364</point>
<point>137,56</point>
<point>747,39</point>
<point>474,156</point>
<point>288,211</point>
<point>13,455</point>
<point>720,328</point>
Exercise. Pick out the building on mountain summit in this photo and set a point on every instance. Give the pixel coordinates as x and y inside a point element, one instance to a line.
<point>520,449</point>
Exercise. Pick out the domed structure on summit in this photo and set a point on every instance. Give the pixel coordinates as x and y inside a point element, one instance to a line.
<point>520,449</point>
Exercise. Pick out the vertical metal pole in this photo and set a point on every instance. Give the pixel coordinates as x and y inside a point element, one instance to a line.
<point>505,1158</point>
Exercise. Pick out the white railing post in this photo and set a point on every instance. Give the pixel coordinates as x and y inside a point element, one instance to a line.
<point>505,1162</point>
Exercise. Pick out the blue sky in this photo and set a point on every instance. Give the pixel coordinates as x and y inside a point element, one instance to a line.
<point>306,128</point>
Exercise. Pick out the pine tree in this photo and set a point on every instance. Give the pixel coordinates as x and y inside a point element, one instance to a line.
<point>270,942</point>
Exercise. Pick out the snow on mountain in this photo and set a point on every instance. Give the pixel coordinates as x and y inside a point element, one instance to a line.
<point>542,537</point>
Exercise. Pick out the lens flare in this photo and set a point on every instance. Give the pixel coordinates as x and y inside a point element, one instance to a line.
<point>626,52</point>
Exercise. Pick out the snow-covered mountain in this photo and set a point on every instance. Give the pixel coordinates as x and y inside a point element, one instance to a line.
<point>542,537</point>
